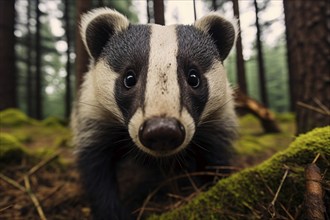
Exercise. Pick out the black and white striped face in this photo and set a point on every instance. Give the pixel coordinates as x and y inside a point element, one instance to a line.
<point>161,82</point>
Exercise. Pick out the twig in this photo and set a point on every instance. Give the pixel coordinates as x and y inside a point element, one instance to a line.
<point>192,183</point>
<point>272,193</point>
<point>40,165</point>
<point>146,201</point>
<point>323,107</point>
<point>271,207</point>
<point>12,182</point>
<point>321,111</point>
<point>316,158</point>
<point>34,198</point>
<point>5,208</point>
<point>176,196</point>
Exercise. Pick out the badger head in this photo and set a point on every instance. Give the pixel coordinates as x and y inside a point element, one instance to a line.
<point>160,82</point>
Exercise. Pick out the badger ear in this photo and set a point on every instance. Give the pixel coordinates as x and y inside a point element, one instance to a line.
<point>98,26</point>
<point>222,31</point>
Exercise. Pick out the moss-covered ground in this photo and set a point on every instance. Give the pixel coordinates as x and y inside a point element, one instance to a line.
<point>41,152</point>
<point>250,193</point>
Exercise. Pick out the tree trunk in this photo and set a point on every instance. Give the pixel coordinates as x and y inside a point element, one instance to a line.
<point>159,12</point>
<point>214,5</point>
<point>308,43</point>
<point>7,55</point>
<point>29,78</point>
<point>261,65</point>
<point>291,70</point>
<point>241,80</point>
<point>68,62</point>
<point>82,59</point>
<point>148,11</point>
<point>39,86</point>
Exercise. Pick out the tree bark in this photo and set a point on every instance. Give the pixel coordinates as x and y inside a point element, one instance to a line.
<point>7,55</point>
<point>148,11</point>
<point>214,5</point>
<point>159,12</point>
<point>68,95</point>
<point>308,42</point>
<point>29,78</point>
<point>241,80</point>
<point>38,96</point>
<point>261,64</point>
<point>82,59</point>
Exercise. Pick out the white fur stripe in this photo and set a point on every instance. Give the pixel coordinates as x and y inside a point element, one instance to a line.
<point>162,95</point>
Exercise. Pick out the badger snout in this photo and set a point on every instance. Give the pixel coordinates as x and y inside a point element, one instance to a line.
<point>162,134</point>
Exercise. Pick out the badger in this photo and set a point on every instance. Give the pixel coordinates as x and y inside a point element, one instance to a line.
<point>155,104</point>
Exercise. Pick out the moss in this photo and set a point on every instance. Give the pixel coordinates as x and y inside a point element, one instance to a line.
<point>251,122</point>
<point>13,117</point>
<point>248,194</point>
<point>64,140</point>
<point>250,144</point>
<point>11,149</point>
<point>253,142</point>
<point>53,122</point>
<point>22,136</point>
<point>285,117</point>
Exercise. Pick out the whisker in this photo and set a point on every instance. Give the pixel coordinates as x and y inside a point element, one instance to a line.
<point>198,145</point>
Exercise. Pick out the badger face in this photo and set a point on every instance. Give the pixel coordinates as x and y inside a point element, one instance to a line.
<point>160,82</point>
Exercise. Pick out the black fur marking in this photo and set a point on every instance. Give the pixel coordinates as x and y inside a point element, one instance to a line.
<point>98,33</point>
<point>195,50</point>
<point>97,160</point>
<point>129,50</point>
<point>223,35</point>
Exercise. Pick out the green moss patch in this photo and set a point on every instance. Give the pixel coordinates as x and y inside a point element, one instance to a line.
<point>11,149</point>
<point>248,194</point>
<point>13,117</point>
<point>53,122</point>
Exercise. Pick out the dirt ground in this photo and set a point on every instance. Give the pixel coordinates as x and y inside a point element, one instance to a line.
<point>56,188</point>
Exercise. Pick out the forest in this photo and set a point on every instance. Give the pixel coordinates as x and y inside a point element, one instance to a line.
<point>279,68</point>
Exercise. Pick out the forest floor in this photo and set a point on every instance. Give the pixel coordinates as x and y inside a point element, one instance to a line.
<point>39,180</point>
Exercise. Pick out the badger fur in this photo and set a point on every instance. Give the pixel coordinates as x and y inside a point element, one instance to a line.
<point>156,103</point>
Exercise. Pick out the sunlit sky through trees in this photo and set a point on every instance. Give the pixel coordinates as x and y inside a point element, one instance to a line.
<point>176,11</point>
<point>181,11</point>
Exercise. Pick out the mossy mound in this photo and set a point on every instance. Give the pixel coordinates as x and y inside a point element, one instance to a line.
<point>248,194</point>
<point>13,117</point>
<point>53,121</point>
<point>253,142</point>
<point>11,149</point>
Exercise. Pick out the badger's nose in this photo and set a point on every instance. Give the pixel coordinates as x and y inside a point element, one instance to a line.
<point>162,134</point>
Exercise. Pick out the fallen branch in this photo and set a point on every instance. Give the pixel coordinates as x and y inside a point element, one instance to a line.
<point>266,117</point>
<point>34,199</point>
<point>12,182</point>
<point>5,208</point>
<point>40,165</point>
<point>315,109</point>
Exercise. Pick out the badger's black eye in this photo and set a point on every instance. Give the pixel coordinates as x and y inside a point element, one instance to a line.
<point>193,78</point>
<point>130,79</point>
